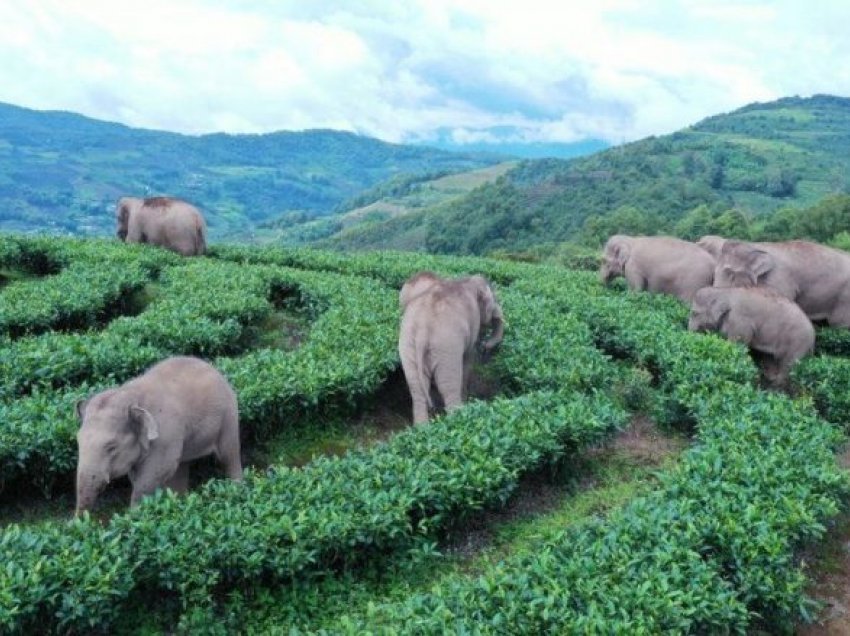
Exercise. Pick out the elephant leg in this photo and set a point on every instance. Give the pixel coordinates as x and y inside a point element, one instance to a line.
<point>467,371</point>
<point>449,377</point>
<point>229,452</point>
<point>418,393</point>
<point>179,481</point>
<point>152,475</point>
<point>638,283</point>
<point>840,317</point>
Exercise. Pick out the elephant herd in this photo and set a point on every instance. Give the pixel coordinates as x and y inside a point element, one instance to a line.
<point>182,408</point>
<point>764,295</point>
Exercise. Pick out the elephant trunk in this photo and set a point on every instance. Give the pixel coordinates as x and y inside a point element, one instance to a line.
<point>697,326</point>
<point>498,333</point>
<point>89,485</point>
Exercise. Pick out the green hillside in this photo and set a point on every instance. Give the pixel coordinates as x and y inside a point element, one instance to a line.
<point>63,172</point>
<point>786,154</point>
<point>400,196</point>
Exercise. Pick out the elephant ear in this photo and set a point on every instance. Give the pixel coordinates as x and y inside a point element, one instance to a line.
<point>759,263</point>
<point>618,249</point>
<point>144,425</point>
<point>718,306</point>
<point>80,408</point>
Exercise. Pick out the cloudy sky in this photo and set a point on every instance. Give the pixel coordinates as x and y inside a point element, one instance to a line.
<point>405,70</point>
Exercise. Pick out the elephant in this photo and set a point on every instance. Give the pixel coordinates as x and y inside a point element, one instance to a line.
<point>712,244</point>
<point>814,276</point>
<point>661,264</point>
<point>442,320</point>
<point>165,221</point>
<point>760,318</point>
<point>152,426</point>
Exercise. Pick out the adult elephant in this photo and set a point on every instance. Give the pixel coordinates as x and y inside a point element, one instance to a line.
<point>441,323</point>
<point>814,276</point>
<point>165,221</point>
<point>712,244</point>
<point>661,264</point>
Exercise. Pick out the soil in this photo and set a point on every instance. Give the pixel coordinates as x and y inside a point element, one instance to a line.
<point>829,568</point>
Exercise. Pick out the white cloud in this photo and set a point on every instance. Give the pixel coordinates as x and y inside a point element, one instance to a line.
<point>615,69</point>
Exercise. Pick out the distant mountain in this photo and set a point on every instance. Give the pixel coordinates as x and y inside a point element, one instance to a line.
<point>505,140</point>
<point>786,154</point>
<point>63,172</point>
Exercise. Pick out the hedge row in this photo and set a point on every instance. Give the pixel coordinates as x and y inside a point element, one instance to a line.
<point>334,510</point>
<point>43,255</point>
<point>80,296</point>
<point>185,317</point>
<point>833,341</point>
<point>709,552</point>
<point>350,350</point>
<point>826,379</point>
<point>84,281</point>
<point>393,268</point>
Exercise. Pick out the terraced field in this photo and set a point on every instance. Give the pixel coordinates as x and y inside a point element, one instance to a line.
<point>350,521</point>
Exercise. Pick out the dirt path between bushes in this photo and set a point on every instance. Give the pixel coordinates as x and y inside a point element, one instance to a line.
<point>828,566</point>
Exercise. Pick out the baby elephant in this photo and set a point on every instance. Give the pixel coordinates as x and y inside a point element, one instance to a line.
<point>440,327</point>
<point>151,427</point>
<point>760,318</point>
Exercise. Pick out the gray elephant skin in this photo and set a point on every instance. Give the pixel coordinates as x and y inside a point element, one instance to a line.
<point>814,276</point>
<point>661,264</point>
<point>442,320</point>
<point>151,427</point>
<point>760,318</point>
<point>712,244</point>
<point>165,221</point>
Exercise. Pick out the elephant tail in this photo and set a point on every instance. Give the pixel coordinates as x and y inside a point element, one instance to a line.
<point>200,239</point>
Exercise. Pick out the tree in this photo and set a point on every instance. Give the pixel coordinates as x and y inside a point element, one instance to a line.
<point>825,219</point>
<point>732,224</point>
<point>626,219</point>
<point>696,223</point>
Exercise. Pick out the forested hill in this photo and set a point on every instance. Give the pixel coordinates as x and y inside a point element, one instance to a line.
<point>62,172</point>
<point>738,167</point>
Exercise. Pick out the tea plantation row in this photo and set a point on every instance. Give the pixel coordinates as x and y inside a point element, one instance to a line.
<point>277,524</point>
<point>712,551</point>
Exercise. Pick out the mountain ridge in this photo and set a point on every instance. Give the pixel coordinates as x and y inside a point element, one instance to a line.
<point>752,161</point>
<point>62,171</point>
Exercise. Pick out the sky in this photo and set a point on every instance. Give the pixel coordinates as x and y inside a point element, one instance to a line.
<point>409,71</point>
